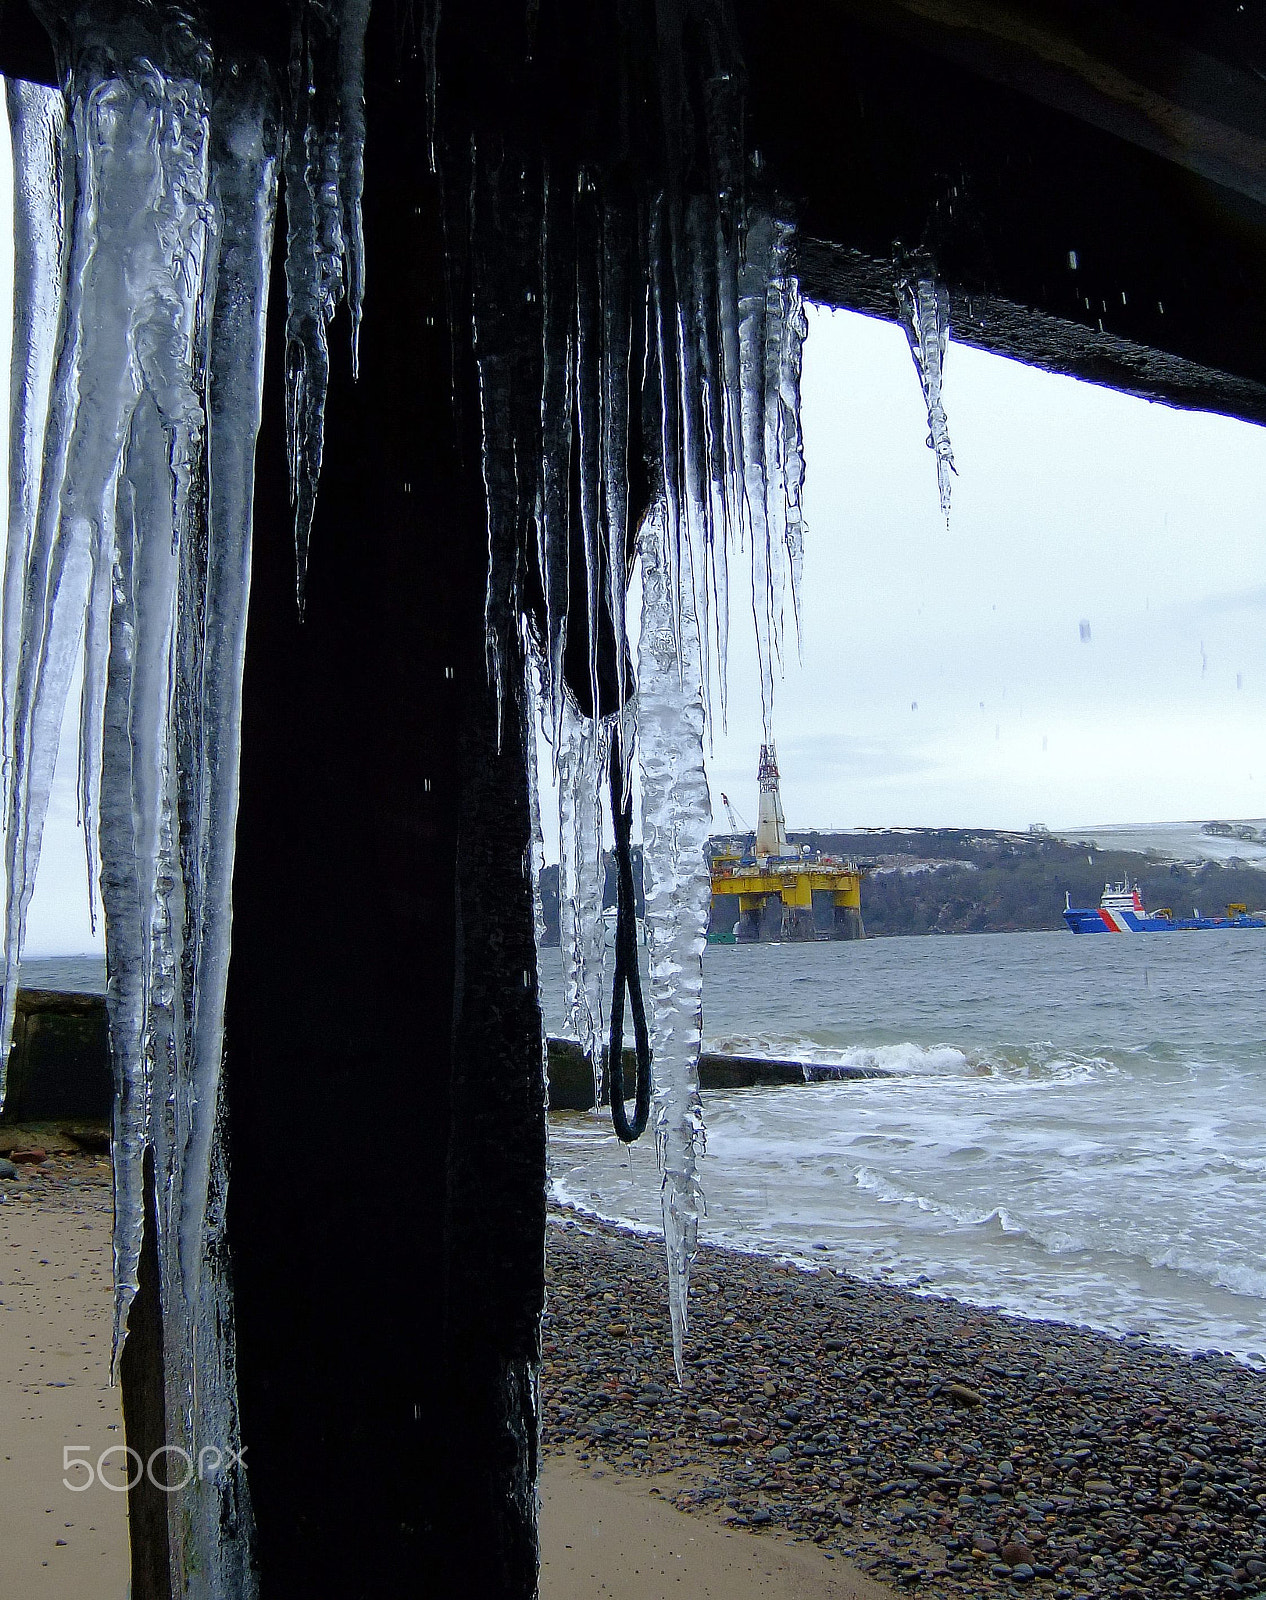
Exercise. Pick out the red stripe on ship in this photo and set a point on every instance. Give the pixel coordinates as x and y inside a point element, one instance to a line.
<point>1110,922</point>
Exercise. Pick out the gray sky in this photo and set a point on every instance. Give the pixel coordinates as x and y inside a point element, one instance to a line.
<point>1073,504</point>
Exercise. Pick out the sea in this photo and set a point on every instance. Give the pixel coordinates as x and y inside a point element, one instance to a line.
<point>1074,1128</point>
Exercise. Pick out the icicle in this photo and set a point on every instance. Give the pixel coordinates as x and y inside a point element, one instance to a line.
<point>590,333</point>
<point>325,171</point>
<point>665,323</point>
<point>42,189</point>
<point>617,314</point>
<point>557,392</point>
<point>795,331</point>
<point>787,328</point>
<point>533,671</point>
<point>352,167</point>
<point>924,306</point>
<point>753,291</point>
<point>245,192</point>
<point>581,758</point>
<point>534,865</point>
<point>140,234</point>
<point>134,546</point>
<point>676,816</point>
<point>136,831</point>
<point>313,287</point>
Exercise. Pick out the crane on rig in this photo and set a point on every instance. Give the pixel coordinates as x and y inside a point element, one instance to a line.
<point>737,825</point>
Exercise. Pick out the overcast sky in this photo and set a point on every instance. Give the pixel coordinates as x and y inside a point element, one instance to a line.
<point>945,678</point>
<point>944,675</point>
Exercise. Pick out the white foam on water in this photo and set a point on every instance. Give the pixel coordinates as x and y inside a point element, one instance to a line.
<point>1066,1132</point>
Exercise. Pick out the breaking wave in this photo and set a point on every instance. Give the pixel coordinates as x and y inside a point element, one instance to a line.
<point>1040,1059</point>
<point>999,1222</point>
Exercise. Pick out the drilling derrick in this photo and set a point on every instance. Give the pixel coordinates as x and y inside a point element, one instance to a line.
<point>771,824</point>
<point>764,888</point>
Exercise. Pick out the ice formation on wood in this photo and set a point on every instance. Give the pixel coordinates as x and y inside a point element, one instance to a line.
<point>924,304</point>
<point>719,404</point>
<point>772,331</point>
<point>638,346</point>
<point>144,211</point>
<point>636,331</point>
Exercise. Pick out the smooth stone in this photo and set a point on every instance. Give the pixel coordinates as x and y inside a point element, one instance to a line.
<point>7,1169</point>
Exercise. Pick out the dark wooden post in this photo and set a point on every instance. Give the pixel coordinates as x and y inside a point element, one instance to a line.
<point>386,1212</point>
<point>145,1416</point>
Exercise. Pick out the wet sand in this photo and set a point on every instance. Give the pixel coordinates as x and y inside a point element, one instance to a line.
<point>55,1394</point>
<point>603,1533</point>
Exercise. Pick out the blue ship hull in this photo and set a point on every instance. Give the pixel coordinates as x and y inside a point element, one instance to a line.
<point>1096,920</point>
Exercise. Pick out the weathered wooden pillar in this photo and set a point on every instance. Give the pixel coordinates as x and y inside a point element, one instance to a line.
<point>145,1416</point>
<point>386,1211</point>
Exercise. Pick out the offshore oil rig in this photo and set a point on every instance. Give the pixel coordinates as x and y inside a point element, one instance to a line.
<point>765,889</point>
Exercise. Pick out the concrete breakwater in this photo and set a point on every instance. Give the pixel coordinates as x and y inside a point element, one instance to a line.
<point>59,1063</point>
<point>571,1079</point>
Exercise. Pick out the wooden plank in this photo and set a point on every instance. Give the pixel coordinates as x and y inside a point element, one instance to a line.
<point>1104,68</point>
<point>849,279</point>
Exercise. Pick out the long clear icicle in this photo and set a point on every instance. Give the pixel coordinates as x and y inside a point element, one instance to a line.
<point>771,333</point>
<point>120,179</point>
<point>138,461</point>
<point>924,304</point>
<point>581,755</point>
<point>676,818</point>
<point>351,79</point>
<point>245,192</point>
<point>42,191</point>
<point>720,346</point>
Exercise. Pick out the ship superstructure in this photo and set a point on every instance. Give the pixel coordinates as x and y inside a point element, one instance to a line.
<point>768,885</point>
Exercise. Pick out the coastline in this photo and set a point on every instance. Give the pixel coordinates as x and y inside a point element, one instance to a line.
<point>602,1534</point>
<point>930,1441</point>
<point>829,1425</point>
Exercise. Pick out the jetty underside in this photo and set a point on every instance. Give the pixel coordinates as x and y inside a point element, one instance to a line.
<point>1091,182</point>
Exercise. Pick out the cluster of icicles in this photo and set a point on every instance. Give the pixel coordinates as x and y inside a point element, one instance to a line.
<point>144,214</point>
<point>727,453</point>
<point>144,211</point>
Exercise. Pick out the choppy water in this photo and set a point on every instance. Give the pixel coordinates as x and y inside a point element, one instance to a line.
<point>1076,1128</point>
<point>65,974</point>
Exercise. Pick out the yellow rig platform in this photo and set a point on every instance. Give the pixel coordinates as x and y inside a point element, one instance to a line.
<point>763,889</point>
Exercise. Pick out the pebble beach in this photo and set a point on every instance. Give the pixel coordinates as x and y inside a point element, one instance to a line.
<point>933,1444</point>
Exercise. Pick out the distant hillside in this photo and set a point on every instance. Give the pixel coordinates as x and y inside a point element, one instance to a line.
<point>957,880</point>
<point>979,880</point>
<point>549,891</point>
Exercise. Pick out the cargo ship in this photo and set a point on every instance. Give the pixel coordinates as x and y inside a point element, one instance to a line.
<point>1121,910</point>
